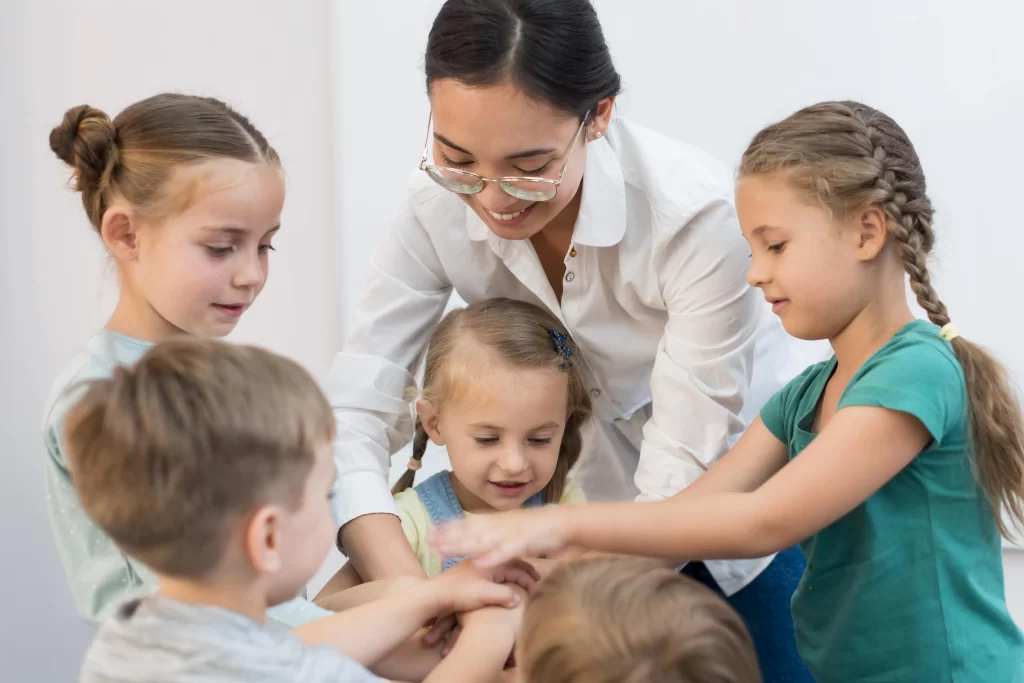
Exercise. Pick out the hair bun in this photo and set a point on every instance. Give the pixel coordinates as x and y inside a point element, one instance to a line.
<point>87,141</point>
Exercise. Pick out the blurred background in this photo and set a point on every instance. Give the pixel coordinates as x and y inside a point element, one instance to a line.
<point>338,89</point>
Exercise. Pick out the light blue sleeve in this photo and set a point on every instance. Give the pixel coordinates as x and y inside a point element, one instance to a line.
<point>297,612</point>
<point>99,575</point>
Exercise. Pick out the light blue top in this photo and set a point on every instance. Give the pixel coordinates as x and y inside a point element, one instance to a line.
<point>100,576</point>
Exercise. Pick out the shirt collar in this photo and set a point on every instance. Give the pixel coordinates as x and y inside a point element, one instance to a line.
<point>602,218</point>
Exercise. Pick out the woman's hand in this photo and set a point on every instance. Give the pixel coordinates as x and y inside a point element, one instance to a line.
<point>495,539</point>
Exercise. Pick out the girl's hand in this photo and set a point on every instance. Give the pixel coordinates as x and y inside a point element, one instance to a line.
<point>518,576</point>
<point>497,538</point>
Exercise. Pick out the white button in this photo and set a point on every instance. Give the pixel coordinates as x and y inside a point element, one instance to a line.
<point>596,393</point>
<point>570,276</point>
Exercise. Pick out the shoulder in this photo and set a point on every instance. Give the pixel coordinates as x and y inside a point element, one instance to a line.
<point>97,359</point>
<point>572,494</point>
<point>678,179</point>
<point>915,358</point>
<point>414,516</point>
<point>916,372</point>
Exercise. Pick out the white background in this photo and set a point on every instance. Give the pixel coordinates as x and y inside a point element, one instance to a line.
<point>338,89</point>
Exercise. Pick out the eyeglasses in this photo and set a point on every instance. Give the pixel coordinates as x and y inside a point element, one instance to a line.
<point>526,188</point>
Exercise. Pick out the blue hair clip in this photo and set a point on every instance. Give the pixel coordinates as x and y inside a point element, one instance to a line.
<point>560,340</point>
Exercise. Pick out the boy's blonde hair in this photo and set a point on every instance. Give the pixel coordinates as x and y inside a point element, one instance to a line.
<point>623,620</point>
<point>523,336</point>
<point>168,454</point>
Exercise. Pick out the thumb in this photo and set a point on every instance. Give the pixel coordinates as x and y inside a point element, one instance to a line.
<point>482,593</point>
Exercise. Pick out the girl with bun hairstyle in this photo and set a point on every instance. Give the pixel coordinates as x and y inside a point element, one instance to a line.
<point>186,194</point>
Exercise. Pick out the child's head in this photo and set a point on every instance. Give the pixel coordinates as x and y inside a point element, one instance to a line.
<point>834,205</point>
<point>209,462</point>
<point>622,620</point>
<point>186,194</point>
<point>504,392</point>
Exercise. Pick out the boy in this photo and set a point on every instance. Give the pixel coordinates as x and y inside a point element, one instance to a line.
<point>211,464</point>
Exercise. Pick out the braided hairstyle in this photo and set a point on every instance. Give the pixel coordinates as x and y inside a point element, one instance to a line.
<point>523,336</point>
<point>134,155</point>
<point>847,155</point>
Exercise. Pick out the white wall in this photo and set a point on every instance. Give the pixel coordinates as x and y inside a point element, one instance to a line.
<point>272,60</point>
<point>714,73</point>
<point>709,73</point>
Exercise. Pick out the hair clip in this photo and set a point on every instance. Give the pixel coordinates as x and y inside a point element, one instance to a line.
<point>560,340</point>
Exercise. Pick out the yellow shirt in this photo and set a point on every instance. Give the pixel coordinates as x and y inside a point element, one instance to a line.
<point>417,525</point>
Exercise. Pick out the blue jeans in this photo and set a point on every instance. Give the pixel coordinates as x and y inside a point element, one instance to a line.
<point>764,604</point>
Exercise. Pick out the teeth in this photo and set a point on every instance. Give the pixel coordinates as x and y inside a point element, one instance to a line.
<point>505,216</point>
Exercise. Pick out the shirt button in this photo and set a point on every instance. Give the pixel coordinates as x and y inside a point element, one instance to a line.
<point>570,276</point>
<point>596,393</point>
<point>572,252</point>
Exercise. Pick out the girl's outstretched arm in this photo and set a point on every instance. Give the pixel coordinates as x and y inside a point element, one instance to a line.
<point>860,450</point>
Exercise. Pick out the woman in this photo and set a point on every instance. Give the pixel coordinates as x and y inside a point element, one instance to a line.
<point>529,188</point>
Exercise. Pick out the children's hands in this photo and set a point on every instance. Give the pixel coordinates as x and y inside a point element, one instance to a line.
<point>518,576</point>
<point>498,538</point>
<point>465,587</point>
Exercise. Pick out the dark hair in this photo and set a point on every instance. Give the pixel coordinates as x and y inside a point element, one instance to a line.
<point>133,155</point>
<point>554,50</point>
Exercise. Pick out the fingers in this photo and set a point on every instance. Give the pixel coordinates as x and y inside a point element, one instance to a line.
<point>485,592</point>
<point>500,553</point>
<point>440,629</point>
<point>450,642</point>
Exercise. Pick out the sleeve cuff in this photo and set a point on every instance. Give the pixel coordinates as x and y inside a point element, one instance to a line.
<point>360,493</point>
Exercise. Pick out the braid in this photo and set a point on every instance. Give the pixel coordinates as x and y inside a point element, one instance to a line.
<point>849,156</point>
<point>419,447</point>
<point>900,193</point>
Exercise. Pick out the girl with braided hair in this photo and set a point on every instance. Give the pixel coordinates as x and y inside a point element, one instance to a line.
<point>504,394</point>
<point>891,461</point>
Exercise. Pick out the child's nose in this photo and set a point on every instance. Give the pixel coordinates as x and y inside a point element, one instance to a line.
<point>757,274</point>
<point>513,461</point>
<point>250,274</point>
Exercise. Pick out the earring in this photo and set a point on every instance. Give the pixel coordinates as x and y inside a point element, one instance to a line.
<point>598,135</point>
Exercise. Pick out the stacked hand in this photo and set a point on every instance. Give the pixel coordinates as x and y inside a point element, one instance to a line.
<point>466,587</point>
<point>496,539</point>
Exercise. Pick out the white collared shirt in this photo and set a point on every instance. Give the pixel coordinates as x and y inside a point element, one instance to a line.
<point>654,294</point>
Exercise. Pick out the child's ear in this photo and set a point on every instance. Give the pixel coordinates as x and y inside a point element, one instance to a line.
<point>263,540</point>
<point>119,231</point>
<point>430,419</point>
<point>872,232</point>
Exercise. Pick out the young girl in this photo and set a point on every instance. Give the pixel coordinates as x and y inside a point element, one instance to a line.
<point>503,392</point>
<point>623,620</point>
<point>186,195</point>
<point>890,461</point>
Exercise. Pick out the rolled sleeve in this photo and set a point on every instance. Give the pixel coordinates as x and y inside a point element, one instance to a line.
<point>705,359</point>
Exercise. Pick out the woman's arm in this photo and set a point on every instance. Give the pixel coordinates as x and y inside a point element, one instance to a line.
<point>705,359</point>
<point>860,450</point>
<point>404,296</point>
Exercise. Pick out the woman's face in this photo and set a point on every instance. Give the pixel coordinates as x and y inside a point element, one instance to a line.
<point>496,131</point>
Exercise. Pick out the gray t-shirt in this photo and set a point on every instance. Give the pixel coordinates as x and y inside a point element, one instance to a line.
<point>153,639</point>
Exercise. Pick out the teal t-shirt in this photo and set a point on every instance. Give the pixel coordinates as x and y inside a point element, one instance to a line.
<point>909,585</point>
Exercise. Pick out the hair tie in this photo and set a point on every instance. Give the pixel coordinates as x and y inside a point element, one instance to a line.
<point>560,340</point>
<point>414,464</point>
<point>949,332</point>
